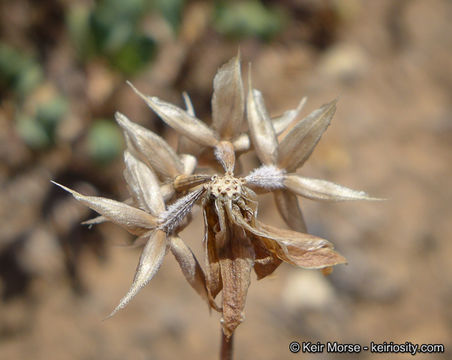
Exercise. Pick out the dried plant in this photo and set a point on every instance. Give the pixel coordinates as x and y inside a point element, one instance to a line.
<point>164,186</point>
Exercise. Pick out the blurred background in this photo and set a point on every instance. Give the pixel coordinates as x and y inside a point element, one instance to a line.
<point>63,67</point>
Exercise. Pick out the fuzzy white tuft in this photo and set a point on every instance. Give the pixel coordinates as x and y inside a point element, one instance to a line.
<point>177,211</point>
<point>267,177</point>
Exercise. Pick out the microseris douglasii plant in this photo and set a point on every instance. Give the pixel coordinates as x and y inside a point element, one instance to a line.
<point>164,186</point>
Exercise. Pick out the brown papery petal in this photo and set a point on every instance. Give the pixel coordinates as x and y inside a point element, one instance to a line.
<point>317,189</point>
<point>180,120</point>
<point>151,148</point>
<point>299,249</point>
<point>283,237</point>
<point>317,259</point>
<point>283,122</point>
<point>289,208</point>
<point>296,239</point>
<point>296,147</point>
<point>143,184</point>
<point>266,262</point>
<point>304,250</point>
<point>228,100</point>
<point>214,284</point>
<point>260,126</point>
<point>236,261</point>
<point>191,269</point>
<point>150,261</point>
<point>132,219</point>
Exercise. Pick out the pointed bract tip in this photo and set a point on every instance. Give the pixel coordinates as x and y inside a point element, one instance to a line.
<point>64,187</point>
<point>113,313</point>
<point>302,103</point>
<point>121,118</point>
<point>377,199</point>
<point>367,197</point>
<point>138,92</point>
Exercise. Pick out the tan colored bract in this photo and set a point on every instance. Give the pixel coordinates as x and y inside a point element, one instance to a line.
<point>165,185</point>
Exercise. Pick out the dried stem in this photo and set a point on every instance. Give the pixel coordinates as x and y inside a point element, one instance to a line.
<point>226,346</point>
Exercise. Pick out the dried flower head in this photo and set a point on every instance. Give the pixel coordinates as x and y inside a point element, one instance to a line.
<point>164,186</point>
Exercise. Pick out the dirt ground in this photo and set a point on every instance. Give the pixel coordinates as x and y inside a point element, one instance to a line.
<point>390,65</point>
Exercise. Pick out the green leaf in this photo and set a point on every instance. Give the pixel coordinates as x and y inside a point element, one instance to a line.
<point>137,53</point>
<point>38,129</point>
<point>78,22</point>
<point>171,10</point>
<point>247,18</point>
<point>104,141</point>
<point>18,71</point>
<point>32,132</point>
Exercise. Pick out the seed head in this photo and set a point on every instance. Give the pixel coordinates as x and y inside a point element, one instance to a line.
<point>165,185</point>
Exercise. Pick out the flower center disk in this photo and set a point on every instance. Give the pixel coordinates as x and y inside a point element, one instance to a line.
<point>226,186</point>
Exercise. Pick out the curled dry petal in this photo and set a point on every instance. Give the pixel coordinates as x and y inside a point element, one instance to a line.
<point>304,250</point>
<point>316,189</point>
<point>132,219</point>
<point>305,242</point>
<point>261,129</point>
<point>143,185</point>
<point>296,147</point>
<point>191,269</point>
<point>150,261</point>
<point>228,100</point>
<point>176,212</point>
<point>289,208</point>
<point>283,122</point>
<point>180,120</point>
<point>151,148</point>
